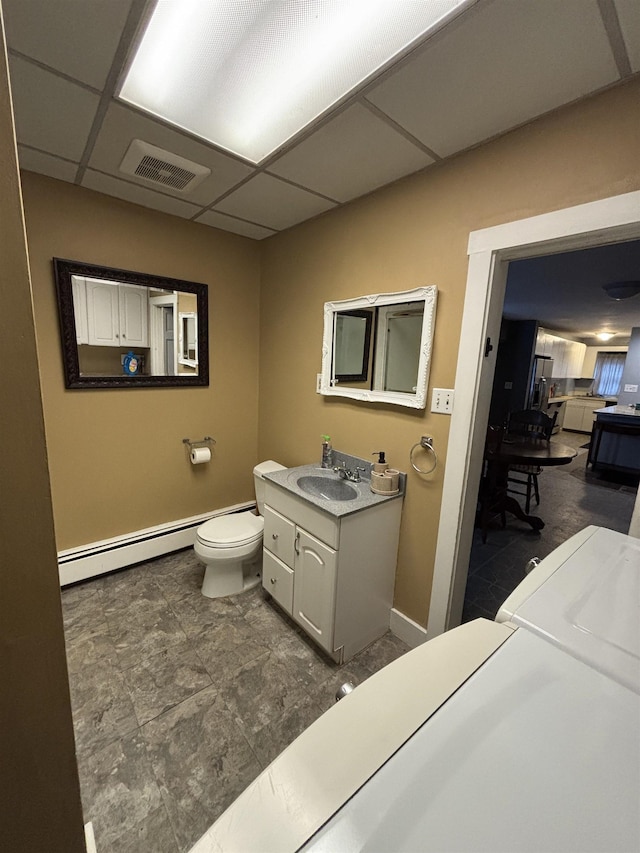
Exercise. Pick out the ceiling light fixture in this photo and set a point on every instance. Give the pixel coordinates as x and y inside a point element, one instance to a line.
<point>249,76</point>
<point>622,289</point>
<point>604,336</point>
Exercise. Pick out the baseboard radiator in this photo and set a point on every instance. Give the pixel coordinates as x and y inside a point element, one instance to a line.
<point>97,558</point>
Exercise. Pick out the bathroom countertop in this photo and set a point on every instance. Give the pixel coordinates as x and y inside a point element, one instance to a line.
<point>366,498</point>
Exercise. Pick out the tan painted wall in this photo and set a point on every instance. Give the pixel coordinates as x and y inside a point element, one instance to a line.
<point>116,456</point>
<point>415,233</point>
<point>39,788</point>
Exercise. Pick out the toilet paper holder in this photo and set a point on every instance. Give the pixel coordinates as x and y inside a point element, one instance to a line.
<point>207,440</point>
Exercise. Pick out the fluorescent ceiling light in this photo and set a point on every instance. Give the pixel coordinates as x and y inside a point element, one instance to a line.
<point>248,75</point>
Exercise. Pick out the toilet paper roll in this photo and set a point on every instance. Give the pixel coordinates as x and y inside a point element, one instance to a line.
<point>199,455</point>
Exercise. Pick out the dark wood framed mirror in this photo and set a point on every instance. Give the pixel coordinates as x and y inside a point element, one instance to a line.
<point>125,329</point>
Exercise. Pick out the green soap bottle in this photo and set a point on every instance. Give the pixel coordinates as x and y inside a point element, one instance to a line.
<point>327,452</point>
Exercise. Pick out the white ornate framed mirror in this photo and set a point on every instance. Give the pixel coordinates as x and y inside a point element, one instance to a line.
<point>377,348</point>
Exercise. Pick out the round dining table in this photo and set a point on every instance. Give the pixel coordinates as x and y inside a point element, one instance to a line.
<point>519,450</point>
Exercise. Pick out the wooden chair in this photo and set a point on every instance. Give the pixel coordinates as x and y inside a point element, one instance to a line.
<point>489,503</point>
<point>531,423</point>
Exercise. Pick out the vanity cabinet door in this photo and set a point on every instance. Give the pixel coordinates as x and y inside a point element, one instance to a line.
<point>279,534</point>
<point>314,588</point>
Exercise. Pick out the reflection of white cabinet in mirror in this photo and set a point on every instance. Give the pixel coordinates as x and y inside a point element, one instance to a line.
<point>80,309</point>
<point>109,314</point>
<point>396,365</point>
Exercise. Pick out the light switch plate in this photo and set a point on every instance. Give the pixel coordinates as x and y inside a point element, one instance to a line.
<point>318,382</point>
<point>442,401</point>
<point>633,389</point>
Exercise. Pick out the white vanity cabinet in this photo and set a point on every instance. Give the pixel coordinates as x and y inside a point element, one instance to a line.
<point>333,575</point>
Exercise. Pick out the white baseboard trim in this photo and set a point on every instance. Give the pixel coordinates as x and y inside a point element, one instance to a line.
<point>96,558</point>
<point>406,629</point>
<point>89,838</point>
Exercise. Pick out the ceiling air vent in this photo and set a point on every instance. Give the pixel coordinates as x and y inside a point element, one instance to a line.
<point>162,168</point>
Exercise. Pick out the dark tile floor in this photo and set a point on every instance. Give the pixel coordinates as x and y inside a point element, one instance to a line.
<point>571,497</point>
<point>180,701</point>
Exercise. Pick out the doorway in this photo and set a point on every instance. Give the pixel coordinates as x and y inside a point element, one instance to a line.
<point>610,220</point>
<point>163,334</point>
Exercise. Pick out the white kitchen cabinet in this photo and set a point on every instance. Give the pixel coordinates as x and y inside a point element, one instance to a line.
<point>558,354</point>
<point>79,290</point>
<point>133,303</point>
<point>544,343</point>
<point>575,360</point>
<point>333,575</point>
<point>568,356</point>
<point>117,315</point>
<point>579,413</point>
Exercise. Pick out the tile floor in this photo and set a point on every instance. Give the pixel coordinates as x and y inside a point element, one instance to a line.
<point>180,701</point>
<point>571,497</point>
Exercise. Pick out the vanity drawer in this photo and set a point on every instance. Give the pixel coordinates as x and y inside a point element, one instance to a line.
<point>279,535</point>
<point>277,579</point>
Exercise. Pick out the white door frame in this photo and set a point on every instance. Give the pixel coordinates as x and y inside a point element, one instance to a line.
<point>609,220</point>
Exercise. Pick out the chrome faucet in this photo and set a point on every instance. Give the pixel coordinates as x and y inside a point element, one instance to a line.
<point>347,474</point>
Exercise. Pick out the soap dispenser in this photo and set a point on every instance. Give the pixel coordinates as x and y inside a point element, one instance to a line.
<point>384,480</point>
<point>327,452</point>
<point>381,465</point>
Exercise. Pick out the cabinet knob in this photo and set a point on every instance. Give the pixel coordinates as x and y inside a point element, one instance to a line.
<point>273,580</point>
<point>274,535</point>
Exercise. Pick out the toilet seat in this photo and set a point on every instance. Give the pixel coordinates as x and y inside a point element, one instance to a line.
<point>228,531</point>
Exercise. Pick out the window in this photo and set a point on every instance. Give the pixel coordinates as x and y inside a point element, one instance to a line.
<point>608,373</point>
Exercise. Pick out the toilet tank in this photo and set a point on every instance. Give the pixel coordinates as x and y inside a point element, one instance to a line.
<point>258,474</point>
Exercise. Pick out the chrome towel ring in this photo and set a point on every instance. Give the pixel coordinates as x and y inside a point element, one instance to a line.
<point>427,443</point>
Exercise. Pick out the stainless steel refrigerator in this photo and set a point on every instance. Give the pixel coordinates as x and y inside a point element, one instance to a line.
<point>540,382</point>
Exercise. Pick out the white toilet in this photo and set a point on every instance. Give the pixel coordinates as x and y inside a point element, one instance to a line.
<point>230,546</point>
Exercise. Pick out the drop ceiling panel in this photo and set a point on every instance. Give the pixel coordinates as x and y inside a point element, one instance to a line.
<point>629,17</point>
<point>237,226</point>
<point>45,164</point>
<point>504,64</point>
<point>351,155</point>
<point>51,113</point>
<point>122,124</point>
<point>273,203</point>
<point>76,37</point>
<point>137,195</point>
